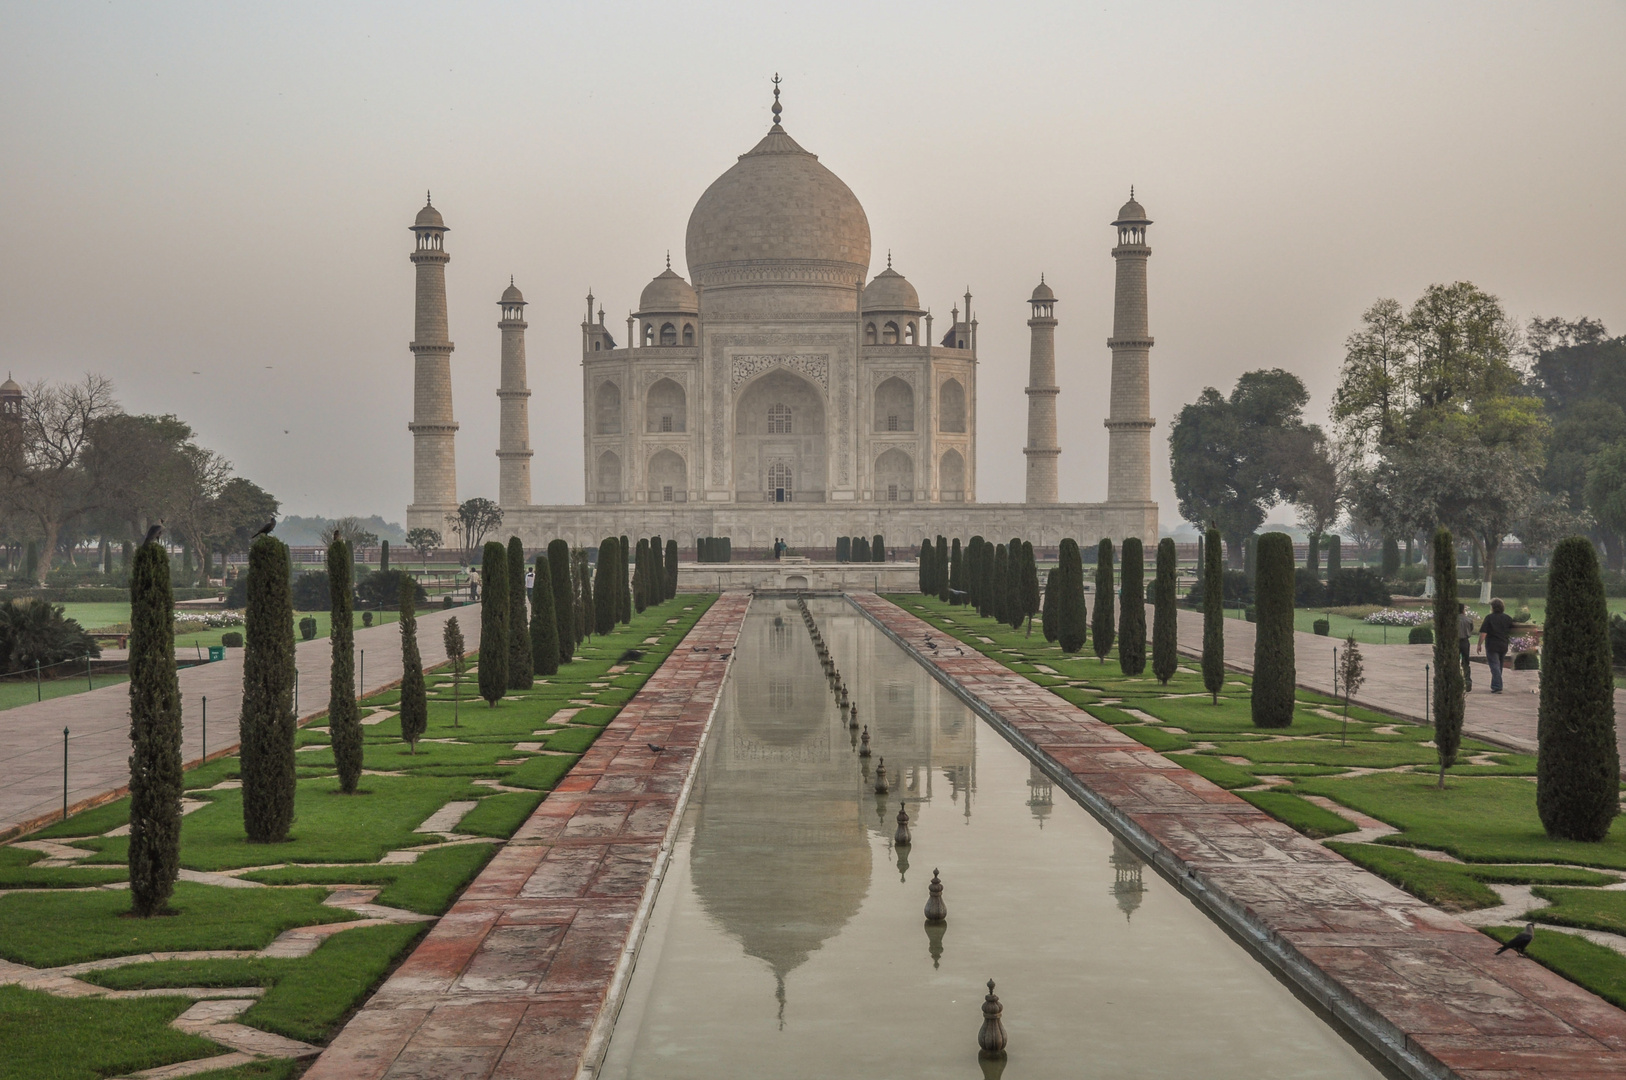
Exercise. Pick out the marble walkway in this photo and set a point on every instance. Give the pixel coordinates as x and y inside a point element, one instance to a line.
<point>31,741</point>
<point>1420,985</point>
<point>513,981</point>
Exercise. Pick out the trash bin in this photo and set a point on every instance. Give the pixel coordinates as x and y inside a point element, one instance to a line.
<point>217,652</point>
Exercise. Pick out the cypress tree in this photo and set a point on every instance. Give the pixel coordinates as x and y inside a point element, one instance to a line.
<point>521,669</point>
<point>155,736</point>
<point>384,557</point>
<point>604,591</point>
<point>671,568</point>
<point>1001,591</point>
<point>1391,557</point>
<point>623,580</point>
<point>990,595</point>
<point>657,571</point>
<point>1047,618</point>
<point>494,615</point>
<point>844,549</point>
<point>1069,585</point>
<point>1132,612</point>
<point>1577,763</point>
<point>451,636</point>
<point>1030,585</point>
<point>928,585</point>
<point>266,727</point>
<point>343,719</point>
<point>1165,617</point>
<point>586,605</point>
<point>1202,559</point>
<point>1449,704</point>
<point>1335,563</point>
<point>1274,669</point>
<point>973,574</point>
<point>877,548</point>
<point>1213,615</point>
<point>1250,560</point>
<point>544,621</point>
<point>1102,618</point>
<point>640,576</point>
<point>563,600</point>
<point>414,698</point>
<point>956,577</point>
<point>31,560</point>
<point>1312,554</point>
<point>1014,610</point>
<point>940,562</point>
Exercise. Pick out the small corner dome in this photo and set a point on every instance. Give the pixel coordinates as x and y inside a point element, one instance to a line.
<point>1043,292</point>
<point>890,291</point>
<point>1132,213</point>
<point>669,292</point>
<point>512,295</point>
<point>429,217</point>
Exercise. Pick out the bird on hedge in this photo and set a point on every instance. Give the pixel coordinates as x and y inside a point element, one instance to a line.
<point>265,530</point>
<point>154,532</point>
<point>1520,941</point>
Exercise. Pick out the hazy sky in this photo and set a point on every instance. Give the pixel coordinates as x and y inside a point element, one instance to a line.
<point>209,202</point>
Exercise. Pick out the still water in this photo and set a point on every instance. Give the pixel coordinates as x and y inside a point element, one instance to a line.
<point>788,939</point>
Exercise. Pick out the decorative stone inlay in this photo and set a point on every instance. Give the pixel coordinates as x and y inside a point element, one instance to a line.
<point>815,366</point>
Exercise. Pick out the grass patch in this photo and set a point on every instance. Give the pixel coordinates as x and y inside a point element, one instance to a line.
<point>52,1038</point>
<point>542,772</point>
<point>1155,737</point>
<point>1319,752</point>
<point>1600,970</point>
<point>92,822</point>
<point>1445,885</point>
<point>572,740</point>
<point>427,886</point>
<point>1586,908</point>
<point>1213,769</point>
<point>305,998</point>
<point>1308,818</point>
<point>51,929</point>
<point>17,871</point>
<point>500,815</point>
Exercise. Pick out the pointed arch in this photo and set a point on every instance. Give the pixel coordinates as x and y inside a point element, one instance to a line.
<point>951,406</point>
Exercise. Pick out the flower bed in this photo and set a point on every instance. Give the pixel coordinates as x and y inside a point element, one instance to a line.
<point>187,622</point>
<point>1396,617</point>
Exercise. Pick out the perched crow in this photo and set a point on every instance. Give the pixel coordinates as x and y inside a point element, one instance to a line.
<point>653,748</point>
<point>265,530</point>
<point>1520,941</point>
<point>154,533</point>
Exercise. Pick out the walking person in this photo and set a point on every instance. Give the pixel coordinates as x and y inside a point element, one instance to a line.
<point>1465,630</point>
<point>1495,633</point>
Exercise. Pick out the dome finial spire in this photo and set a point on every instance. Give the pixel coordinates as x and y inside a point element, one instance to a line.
<point>428,197</point>
<point>669,258</point>
<point>889,258</point>
<point>776,107</point>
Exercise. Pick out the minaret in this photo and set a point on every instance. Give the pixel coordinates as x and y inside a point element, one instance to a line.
<point>514,431</point>
<point>1042,449</point>
<point>434,432</point>
<point>1129,444</point>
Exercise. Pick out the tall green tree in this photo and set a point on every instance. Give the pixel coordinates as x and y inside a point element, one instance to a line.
<point>657,571</point>
<point>585,602</point>
<point>640,576</point>
<point>266,727</point>
<point>623,580</point>
<point>1213,616</point>
<point>563,599</point>
<point>1335,560</point>
<point>1234,458</point>
<point>155,736</point>
<point>928,585</point>
<point>1015,611</point>
<point>544,622</point>
<point>1449,704</point>
<point>671,568</point>
<point>1047,616</point>
<point>343,717</point>
<point>940,568</point>
<point>1030,585</point>
<point>451,637</point>
<point>1391,557</point>
<point>956,581</point>
<point>987,586</point>
<point>414,696</point>
<point>1102,618</point>
<point>383,556</point>
<point>1165,616</point>
<point>973,572</point>
<point>1577,761</point>
<point>606,595</point>
<point>1071,629</point>
<point>1000,598</point>
<point>1274,666</point>
<point>521,672</point>
<point>494,625</point>
<point>1132,614</point>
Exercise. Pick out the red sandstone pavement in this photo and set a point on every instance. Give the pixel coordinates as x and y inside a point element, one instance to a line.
<point>1385,960</point>
<point>512,979</point>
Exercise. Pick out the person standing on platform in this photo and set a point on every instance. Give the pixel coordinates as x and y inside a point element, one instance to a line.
<point>1495,634</point>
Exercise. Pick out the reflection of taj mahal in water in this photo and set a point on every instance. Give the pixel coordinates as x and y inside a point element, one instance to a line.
<point>781,395</point>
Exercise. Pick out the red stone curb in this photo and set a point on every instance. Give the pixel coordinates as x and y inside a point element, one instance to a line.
<point>514,980</point>
<point>1422,988</point>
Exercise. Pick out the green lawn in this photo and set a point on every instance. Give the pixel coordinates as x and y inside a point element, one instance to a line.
<point>1485,815</point>
<point>21,689</point>
<point>96,617</point>
<point>305,998</point>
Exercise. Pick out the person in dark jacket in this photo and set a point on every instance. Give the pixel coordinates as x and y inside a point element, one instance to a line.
<point>1495,634</point>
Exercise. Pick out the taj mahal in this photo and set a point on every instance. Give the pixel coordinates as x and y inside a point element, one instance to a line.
<point>780,391</point>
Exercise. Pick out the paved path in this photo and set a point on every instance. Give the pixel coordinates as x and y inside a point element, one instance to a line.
<point>99,720</point>
<point>1394,680</point>
<point>1419,984</point>
<point>512,981</point>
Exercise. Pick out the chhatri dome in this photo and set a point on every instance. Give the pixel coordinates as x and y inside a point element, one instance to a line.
<point>890,291</point>
<point>779,219</point>
<point>429,217</point>
<point>669,293</point>
<point>512,295</point>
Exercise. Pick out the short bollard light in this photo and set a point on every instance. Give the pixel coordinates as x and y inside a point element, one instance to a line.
<point>865,740</point>
<point>936,910</point>
<point>881,787</point>
<point>991,1037</point>
<point>901,837</point>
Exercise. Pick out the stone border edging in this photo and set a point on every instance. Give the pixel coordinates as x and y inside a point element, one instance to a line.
<point>1402,1049</point>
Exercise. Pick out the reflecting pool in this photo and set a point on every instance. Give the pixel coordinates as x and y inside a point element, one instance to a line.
<point>788,939</point>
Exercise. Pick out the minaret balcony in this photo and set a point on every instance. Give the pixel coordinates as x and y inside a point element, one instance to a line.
<point>430,346</point>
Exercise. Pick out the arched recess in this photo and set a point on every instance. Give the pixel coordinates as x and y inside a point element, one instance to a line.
<point>779,419</point>
<point>666,407</point>
<point>889,333</point>
<point>607,409</point>
<point>951,406</point>
<point>609,477</point>
<point>951,477</point>
<point>869,334</point>
<point>894,406</point>
<point>688,333</point>
<point>668,478</point>
<point>669,334</point>
<point>894,477</point>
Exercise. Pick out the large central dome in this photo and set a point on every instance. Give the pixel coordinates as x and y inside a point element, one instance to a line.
<point>779,218</point>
